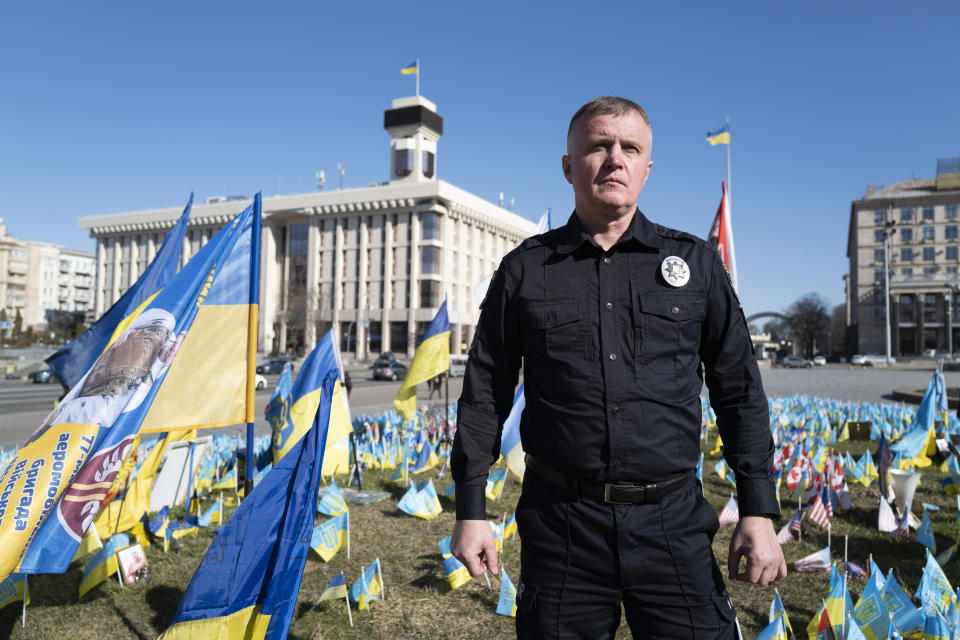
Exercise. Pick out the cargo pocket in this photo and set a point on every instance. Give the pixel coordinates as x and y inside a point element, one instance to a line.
<point>527,624</point>
<point>668,342</point>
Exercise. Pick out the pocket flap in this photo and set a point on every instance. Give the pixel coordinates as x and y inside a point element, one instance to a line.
<point>674,306</point>
<point>549,314</point>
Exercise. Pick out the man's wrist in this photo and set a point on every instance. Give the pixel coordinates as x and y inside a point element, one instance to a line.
<point>471,502</point>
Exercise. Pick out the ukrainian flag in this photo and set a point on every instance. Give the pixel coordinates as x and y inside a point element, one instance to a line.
<point>216,509</point>
<point>415,503</point>
<point>336,590</point>
<point>247,585</point>
<point>277,411</point>
<point>413,67</point>
<point>510,528</point>
<point>510,446</point>
<point>305,397</point>
<point>330,536</point>
<point>14,589</point>
<point>158,525</point>
<point>495,484</point>
<point>332,502</point>
<point>456,572</point>
<point>103,564</point>
<point>507,604</point>
<point>720,136</point>
<point>776,630</point>
<point>368,586</point>
<point>89,544</point>
<point>227,480</point>
<point>431,358</point>
<point>445,548</point>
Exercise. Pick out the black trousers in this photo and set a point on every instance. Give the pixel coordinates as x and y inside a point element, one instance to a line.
<point>582,558</point>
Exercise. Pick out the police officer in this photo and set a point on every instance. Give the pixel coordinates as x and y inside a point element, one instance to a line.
<point>616,321</point>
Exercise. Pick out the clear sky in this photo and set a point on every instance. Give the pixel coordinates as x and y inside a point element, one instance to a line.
<point>116,106</point>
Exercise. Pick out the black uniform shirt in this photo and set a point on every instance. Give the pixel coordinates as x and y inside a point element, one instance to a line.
<point>612,365</point>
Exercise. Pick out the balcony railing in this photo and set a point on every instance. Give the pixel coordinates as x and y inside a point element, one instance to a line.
<point>939,276</point>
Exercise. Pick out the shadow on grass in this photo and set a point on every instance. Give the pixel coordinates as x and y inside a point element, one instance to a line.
<point>10,618</point>
<point>431,582</point>
<point>127,623</point>
<point>164,601</point>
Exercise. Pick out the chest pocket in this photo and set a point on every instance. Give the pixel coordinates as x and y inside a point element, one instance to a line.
<point>552,328</point>
<point>669,336</point>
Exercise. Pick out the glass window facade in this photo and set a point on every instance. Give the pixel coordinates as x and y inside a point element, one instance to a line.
<point>429,226</point>
<point>906,214</point>
<point>906,235</point>
<point>928,253</point>
<point>429,259</point>
<point>950,212</point>
<point>403,161</point>
<point>928,214</point>
<point>929,233</point>
<point>906,253</point>
<point>951,252</point>
<point>428,161</point>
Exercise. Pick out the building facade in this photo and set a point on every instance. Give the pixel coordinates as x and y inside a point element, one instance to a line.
<point>373,263</point>
<point>909,232</point>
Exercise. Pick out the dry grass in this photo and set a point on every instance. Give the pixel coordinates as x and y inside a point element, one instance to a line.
<point>419,604</point>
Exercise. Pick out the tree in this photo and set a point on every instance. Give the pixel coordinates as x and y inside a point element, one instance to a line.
<point>17,324</point>
<point>838,328</point>
<point>809,322</point>
<point>776,330</point>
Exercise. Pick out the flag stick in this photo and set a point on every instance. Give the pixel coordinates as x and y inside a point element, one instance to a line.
<point>845,553</point>
<point>486,576</point>
<point>348,535</point>
<point>383,589</point>
<point>736,621</point>
<point>503,531</point>
<point>418,76</point>
<point>26,596</point>
<point>252,318</point>
<point>190,483</point>
<point>346,597</point>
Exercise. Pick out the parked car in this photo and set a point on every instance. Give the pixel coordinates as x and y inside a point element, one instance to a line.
<point>860,360</point>
<point>384,358</point>
<point>819,361</point>
<point>389,370</point>
<point>260,382</point>
<point>795,362</point>
<point>42,375</point>
<point>874,360</point>
<point>458,366</point>
<point>273,366</point>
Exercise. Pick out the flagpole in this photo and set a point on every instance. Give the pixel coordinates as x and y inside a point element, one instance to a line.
<point>418,77</point>
<point>348,535</point>
<point>346,597</point>
<point>26,596</point>
<point>252,318</point>
<point>383,588</point>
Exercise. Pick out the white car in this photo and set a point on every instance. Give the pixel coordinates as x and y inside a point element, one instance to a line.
<point>858,359</point>
<point>819,361</point>
<point>259,382</point>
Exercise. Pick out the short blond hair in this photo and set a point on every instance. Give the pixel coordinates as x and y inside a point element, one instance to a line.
<point>607,106</point>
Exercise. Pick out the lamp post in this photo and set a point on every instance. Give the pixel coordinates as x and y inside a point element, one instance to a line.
<point>888,231</point>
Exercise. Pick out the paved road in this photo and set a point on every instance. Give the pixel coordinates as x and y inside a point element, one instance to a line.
<point>24,405</point>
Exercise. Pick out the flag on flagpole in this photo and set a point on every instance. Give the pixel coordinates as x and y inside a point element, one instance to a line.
<point>277,411</point>
<point>335,590</point>
<point>77,451</point>
<point>247,582</point>
<point>216,509</point>
<point>816,561</point>
<point>457,574</point>
<point>507,603</point>
<point>103,564</point>
<point>413,67</point>
<point>776,630</point>
<point>720,136</point>
<point>431,358</point>
<point>329,537</point>
<point>72,360</point>
<point>368,587</point>
<point>495,483</point>
<point>14,589</point>
<point>819,513</point>
<point>332,502</point>
<point>510,446</point>
<point>777,610</point>
<point>721,236</point>
<point>730,514</point>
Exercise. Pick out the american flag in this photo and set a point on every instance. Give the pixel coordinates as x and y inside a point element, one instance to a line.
<point>855,572</point>
<point>785,534</point>
<point>903,528</point>
<point>819,514</point>
<point>730,514</point>
<point>816,561</point>
<point>827,501</point>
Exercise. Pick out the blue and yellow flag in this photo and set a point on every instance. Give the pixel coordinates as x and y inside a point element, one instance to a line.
<point>431,358</point>
<point>507,604</point>
<point>277,411</point>
<point>510,527</point>
<point>413,67</point>
<point>936,628</point>
<point>510,446</point>
<point>103,564</point>
<point>935,593</point>
<point>329,537</point>
<point>216,509</point>
<point>336,590</point>
<point>227,481</point>
<point>158,524</point>
<point>72,360</point>
<point>776,630</point>
<point>368,587</point>
<point>426,459</point>
<point>14,589</point>
<point>417,503</point>
<point>456,572</point>
<point>248,580</point>
<point>905,615</point>
<point>495,484</point>
<point>175,360</point>
<point>777,610</point>
<point>332,502</point>
<point>720,136</point>
<point>304,399</point>
<point>179,529</point>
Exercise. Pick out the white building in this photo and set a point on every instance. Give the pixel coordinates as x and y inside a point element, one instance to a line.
<point>374,262</point>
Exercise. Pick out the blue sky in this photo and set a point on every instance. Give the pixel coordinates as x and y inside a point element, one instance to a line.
<point>114,106</point>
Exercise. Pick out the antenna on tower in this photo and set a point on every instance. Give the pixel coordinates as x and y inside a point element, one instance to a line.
<point>500,201</point>
<point>510,204</point>
<point>342,171</point>
<point>321,179</point>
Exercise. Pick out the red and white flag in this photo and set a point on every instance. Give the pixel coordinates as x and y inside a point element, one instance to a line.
<point>730,514</point>
<point>785,534</point>
<point>816,561</point>
<point>818,513</point>
<point>903,528</point>
<point>721,236</point>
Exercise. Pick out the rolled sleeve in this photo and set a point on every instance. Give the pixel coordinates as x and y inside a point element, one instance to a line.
<point>487,397</point>
<point>737,397</point>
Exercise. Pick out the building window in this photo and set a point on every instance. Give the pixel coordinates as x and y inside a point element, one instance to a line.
<point>297,266</point>
<point>879,314</point>
<point>950,232</point>
<point>906,235</point>
<point>950,212</point>
<point>429,225</point>
<point>878,275</point>
<point>952,271</point>
<point>929,273</point>
<point>930,307</point>
<point>429,259</point>
<point>429,294</point>
<point>928,253</point>
<point>428,160</point>
<point>878,235</point>
<point>951,252</point>
<point>929,233</point>
<point>928,214</point>
<point>403,161</point>
<point>906,273</point>
<point>878,255</point>
<point>906,214</point>
<point>878,215</point>
<point>906,308</point>
<point>906,254</point>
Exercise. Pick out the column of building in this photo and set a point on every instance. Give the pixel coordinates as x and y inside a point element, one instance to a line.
<point>388,302</point>
<point>313,283</point>
<point>363,312</point>
<point>339,262</point>
<point>268,283</point>
<point>413,283</point>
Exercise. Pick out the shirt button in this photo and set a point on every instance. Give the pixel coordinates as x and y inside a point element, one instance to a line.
<point>613,356</point>
<point>675,310</point>
<point>609,305</point>
<point>606,260</point>
<point>616,410</point>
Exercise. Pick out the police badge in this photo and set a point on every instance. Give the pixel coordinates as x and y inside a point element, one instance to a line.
<point>675,271</point>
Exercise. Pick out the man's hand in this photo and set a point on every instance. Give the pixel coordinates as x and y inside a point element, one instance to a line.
<point>472,544</point>
<point>755,540</point>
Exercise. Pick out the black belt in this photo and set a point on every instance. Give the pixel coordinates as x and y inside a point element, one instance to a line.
<point>613,493</point>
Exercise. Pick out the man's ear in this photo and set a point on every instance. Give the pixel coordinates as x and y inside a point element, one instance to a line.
<point>565,162</point>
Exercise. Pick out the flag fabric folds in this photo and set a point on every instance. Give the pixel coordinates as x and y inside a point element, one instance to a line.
<point>870,613</point>
<point>71,361</point>
<point>730,514</point>
<point>510,446</point>
<point>720,136</point>
<point>335,590</point>
<point>776,630</point>
<point>14,589</point>
<point>277,411</point>
<point>103,564</point>
<point>507,603</point>
<point>216,509</point>
<point>305,396</point>
<point>721,236</point>
<point>368,587</point>
<point>332,502</point>
<point>77,451</point>
<point>247,582</point>
<point>495,484</point>
<point>413,67</point>
<point>816,561</point>
<point>431,358</point>
<point>456,572</point>
<point>331,536</point>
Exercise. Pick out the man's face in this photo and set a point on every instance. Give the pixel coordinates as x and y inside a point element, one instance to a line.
<point>607,162</point>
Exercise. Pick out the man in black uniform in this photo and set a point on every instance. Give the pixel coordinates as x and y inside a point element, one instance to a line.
<point>611,317</point>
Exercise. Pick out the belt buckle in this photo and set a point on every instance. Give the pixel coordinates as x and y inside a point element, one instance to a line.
<point>606,493</point>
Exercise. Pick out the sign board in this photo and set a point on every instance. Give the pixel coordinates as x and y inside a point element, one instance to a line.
<point>170,483</point>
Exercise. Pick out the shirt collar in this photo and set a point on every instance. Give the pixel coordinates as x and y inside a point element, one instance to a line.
<point>573,235</point>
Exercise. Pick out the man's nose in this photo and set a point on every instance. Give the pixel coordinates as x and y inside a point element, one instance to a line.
<point>614,157</point>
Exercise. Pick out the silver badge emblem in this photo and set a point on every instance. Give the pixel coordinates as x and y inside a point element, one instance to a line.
<point>675,271</point>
